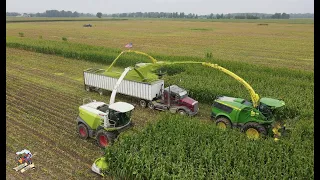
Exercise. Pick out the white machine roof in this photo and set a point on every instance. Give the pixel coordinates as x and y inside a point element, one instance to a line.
<point>95,104</point>
<point>121,106</point>
<point>225,98</point>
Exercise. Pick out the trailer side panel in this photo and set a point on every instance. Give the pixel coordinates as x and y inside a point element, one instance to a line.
<point>147,91</point>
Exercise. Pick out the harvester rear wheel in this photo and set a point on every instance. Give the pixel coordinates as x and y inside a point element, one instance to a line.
<point>223,123</point>
<point>83,131</point>
<point>143,103</point>
<point>104,138</point>
<point>254,130</point>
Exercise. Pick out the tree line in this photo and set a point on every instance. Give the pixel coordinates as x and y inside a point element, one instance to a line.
<point>56,13</point>
<point>53,13</point>
<point>196,16</point>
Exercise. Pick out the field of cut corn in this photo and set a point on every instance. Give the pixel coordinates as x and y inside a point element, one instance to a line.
<point>45,87</point>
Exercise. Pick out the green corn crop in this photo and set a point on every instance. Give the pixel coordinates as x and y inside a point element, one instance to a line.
<point>184,148</point>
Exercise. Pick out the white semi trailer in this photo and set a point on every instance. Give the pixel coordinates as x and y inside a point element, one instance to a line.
<point>149,94</point>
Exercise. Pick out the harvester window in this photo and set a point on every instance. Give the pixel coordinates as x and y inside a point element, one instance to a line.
<point>248,103</point>
<point>113,115</point>
<point>103,108</point>
<point>124,118</point>
<point>223,107</point>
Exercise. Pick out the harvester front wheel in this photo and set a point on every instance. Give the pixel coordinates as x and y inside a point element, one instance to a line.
<point>143,103</point>
<point>223,123</point>
<point>83,131</point>
<point>104,138</point>
<point>254,130</point>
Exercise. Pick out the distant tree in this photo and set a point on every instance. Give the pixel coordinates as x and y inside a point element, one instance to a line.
<point>276,16</point>
<point>219,16</point>
<point>99,15</point>
<point>75,14</point>
<point>285,16</point>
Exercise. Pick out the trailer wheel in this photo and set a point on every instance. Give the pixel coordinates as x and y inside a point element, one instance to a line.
<point>254,130</point>
<point>223,123</point>
<point>100,91</point>
<point>83,131</point>
<point>150,105</point>
<point>105,138</point>
<point>143,103</point>
<point>88,89</point>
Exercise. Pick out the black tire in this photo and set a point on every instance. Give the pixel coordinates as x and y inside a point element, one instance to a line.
<point>105,138</point>
<point>88,89</point>
<point>143,103</point>
<point>150,105</point>
<point>83,131</point>
<point>258,127</point>
<point>225,121</point>
<point>182,112</point>
<point>100,91</point>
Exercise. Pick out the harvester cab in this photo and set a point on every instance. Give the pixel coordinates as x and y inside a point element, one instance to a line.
<point>119,115</point>
<point>269,106</point>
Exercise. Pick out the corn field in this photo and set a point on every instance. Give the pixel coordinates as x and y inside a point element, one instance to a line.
<point>184,148</point>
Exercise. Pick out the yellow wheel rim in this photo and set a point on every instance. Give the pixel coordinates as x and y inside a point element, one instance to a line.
<point>252,133</point>
<point>222,125</point>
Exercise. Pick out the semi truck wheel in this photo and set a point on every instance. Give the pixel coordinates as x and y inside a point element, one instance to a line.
<point>104,138</point>
<point>83,131</point>
<point>254,130</point>
<point>223,123</point>
<point>143,103</point>
<point>150,105</point>
<point>182,112</point>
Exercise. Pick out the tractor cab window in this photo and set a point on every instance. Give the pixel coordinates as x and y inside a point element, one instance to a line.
<point>119,118</point>
<point>265,110</point>
<point>103,108</point>
<point>174,96</point>
<point>124,118</point>
<point>113,116</point>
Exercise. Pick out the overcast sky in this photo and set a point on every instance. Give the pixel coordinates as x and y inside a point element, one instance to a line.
<point>187,6</point>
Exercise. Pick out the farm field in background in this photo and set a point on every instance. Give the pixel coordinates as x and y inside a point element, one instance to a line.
<point>283,44</point>
<point>44,92</point>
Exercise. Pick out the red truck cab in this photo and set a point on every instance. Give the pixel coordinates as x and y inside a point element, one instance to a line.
<point>176,98</point>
